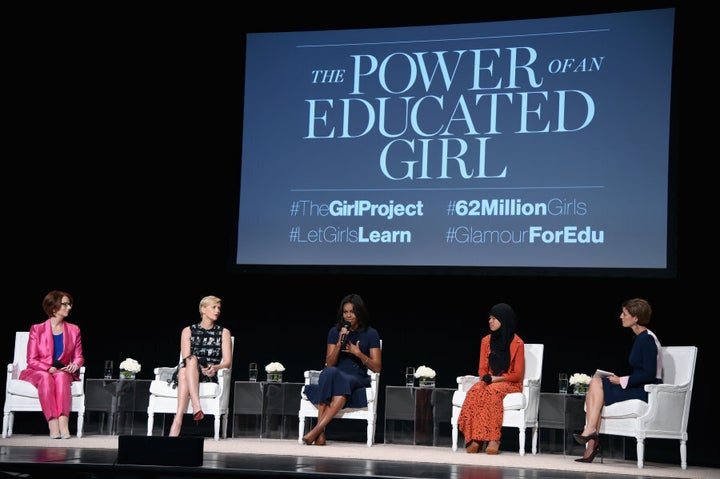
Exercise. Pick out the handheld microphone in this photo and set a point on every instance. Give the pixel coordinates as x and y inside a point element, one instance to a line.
<point>344,336</point>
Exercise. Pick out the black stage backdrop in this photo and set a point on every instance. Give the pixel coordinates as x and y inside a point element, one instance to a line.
<point>121,187</point>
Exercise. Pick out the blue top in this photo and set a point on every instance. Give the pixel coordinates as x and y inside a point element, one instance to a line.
<point>644,362</point>
<point>349,377</point>
<point>58,345</point>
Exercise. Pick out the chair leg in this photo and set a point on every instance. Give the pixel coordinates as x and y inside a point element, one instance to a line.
<point>151,420</point>
<point>6,423</point>
<point>301,428</point>
<point>683,454</point>
<point>80,424</point>
<point>640,449</point>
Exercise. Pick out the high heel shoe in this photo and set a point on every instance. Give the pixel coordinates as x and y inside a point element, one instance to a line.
<point>596,449</point>
<point>584,439</point>
<point>198,416</point>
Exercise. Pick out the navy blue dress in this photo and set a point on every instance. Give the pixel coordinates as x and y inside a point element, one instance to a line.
<point>349,377</point>
<point>644,362</point>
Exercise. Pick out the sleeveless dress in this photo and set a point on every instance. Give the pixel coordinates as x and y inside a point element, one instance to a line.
<point>206,345</point>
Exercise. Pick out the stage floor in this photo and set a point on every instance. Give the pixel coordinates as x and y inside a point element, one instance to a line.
<point>96,457</point>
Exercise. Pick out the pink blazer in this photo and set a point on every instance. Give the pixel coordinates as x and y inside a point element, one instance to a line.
<point>40,350</point>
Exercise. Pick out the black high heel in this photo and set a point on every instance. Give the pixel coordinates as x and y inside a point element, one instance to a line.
<point>584,439</point>
<point>597,449</point>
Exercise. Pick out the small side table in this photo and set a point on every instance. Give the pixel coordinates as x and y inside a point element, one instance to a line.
<point>418,416</point>
<point>563,412</point>
<point>117,401</point>
<point>266,409</point>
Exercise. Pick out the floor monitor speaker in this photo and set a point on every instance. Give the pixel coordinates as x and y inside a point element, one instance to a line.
<point>161,450</point>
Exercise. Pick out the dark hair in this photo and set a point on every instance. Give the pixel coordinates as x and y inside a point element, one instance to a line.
<point>51,301</point>
<point>359,308</point>
<point>640,308</point>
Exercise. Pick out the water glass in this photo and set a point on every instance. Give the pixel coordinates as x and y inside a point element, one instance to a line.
<point>108,370</point>
<point>563,383</point>
<point>252,372</point>
<point>409,376</point>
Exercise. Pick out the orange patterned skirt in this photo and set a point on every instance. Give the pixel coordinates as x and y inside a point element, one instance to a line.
<point>481,415</point>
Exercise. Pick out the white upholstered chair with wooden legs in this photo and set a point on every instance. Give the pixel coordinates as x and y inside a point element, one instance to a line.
<point>665,414</point>
<point>520,409</point>
<point>22,396</point>
<point>214,398</point>
<point>369,413</point>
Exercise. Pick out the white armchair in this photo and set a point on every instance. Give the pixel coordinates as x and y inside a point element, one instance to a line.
<point>666,413</point>
<point>520,409</point>
<point>214,398</point>
<point>369,413</point>
<point>22,396</point>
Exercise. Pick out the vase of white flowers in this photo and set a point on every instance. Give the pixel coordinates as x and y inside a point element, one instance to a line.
<point>274,372</point>
<point>426,377</point>
<point>580,383</point>
<point>129,368</point>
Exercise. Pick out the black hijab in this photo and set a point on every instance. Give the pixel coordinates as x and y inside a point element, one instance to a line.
<point>500,340</point>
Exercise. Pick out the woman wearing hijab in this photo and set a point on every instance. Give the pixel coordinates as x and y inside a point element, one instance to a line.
<point>501,369</point>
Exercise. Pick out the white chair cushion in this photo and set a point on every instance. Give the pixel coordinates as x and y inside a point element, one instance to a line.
<point>623,409</point>
<point>163,389</point>
<point>511,401</point>
<point>24,388</point>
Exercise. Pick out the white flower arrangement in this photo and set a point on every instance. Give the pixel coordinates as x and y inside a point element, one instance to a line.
<point>424,372</point>
<point>274,367</point>
<point>580,378</point>
<point>130,365</point>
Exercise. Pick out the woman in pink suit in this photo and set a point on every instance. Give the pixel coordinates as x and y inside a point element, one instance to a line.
<point>54,357</point>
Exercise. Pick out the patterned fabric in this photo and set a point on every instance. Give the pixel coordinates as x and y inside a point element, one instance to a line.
<point>206,345</point>
<point>481,415</point>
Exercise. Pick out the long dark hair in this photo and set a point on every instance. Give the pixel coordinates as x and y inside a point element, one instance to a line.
<point>359,308</point>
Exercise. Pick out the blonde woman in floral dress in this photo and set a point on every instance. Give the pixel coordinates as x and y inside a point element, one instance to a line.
<point>205,348</point>
<point>501,369</point>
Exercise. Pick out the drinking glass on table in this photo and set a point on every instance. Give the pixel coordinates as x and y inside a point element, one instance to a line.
<point>409,376</point>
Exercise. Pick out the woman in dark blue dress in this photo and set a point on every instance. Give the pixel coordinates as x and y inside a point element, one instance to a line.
<point>646,362</point>
<point>353,347</point>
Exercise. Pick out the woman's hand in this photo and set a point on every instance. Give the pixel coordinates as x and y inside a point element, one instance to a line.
<point>210,370</point>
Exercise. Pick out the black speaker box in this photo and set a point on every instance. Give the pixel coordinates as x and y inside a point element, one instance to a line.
<point>161,450</point>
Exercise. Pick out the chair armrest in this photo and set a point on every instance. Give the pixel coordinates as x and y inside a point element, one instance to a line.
<point>670,388</point>
<point>221,372</point>
<point>163,372</point>
<point>531,383</point>
<point>466,382</point>
<point>311,376</point>
<point>13,371</point>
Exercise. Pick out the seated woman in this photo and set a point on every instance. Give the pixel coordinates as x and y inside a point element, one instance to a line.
<point>353,347</point>
<point>205,348</point>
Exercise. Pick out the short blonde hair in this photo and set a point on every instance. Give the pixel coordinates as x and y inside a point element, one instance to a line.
<point>207,301</point>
